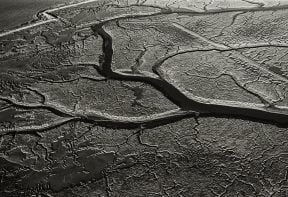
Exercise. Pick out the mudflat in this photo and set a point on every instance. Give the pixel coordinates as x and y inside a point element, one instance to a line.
<point>144,98</point>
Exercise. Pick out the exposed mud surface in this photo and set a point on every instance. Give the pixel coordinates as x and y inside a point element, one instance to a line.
<point>145,98</point>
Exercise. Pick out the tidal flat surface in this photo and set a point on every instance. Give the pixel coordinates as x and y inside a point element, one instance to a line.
<point>118,98</point>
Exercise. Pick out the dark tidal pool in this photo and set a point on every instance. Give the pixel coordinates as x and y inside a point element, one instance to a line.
<point>13,13</point>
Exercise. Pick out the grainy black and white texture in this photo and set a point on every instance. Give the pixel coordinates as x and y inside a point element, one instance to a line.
<point>144,98</point>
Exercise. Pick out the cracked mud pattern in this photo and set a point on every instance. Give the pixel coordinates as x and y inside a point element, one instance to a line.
<point>115,98</point>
